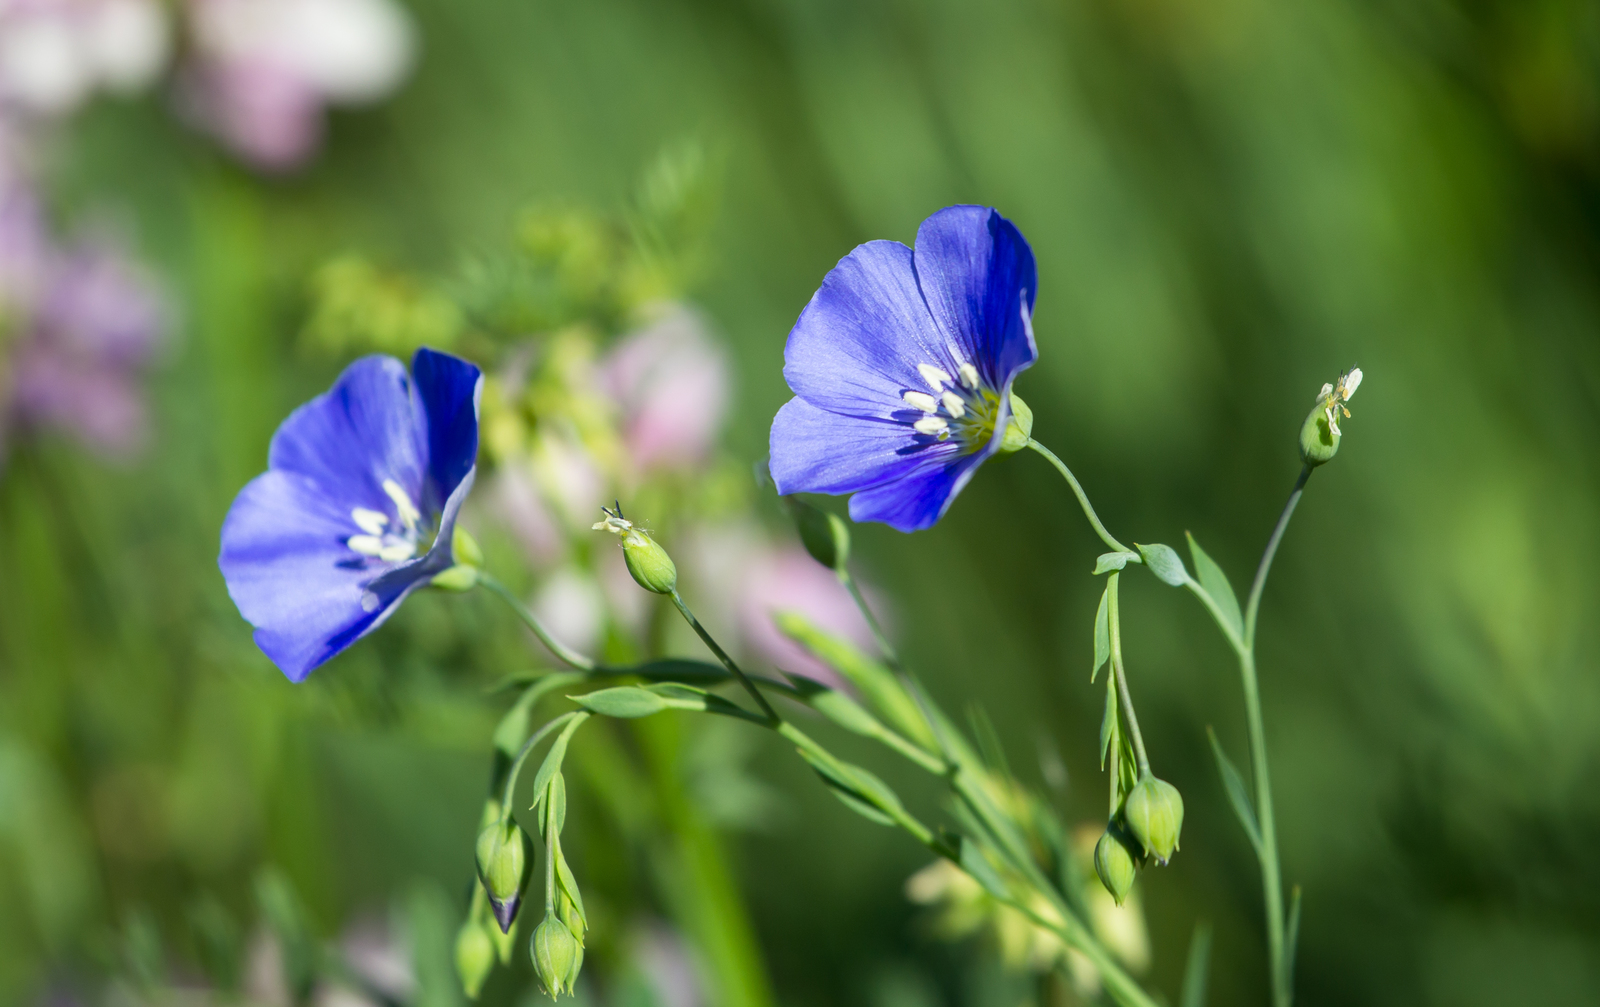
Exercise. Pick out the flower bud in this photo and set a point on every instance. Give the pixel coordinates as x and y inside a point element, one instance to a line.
<point>474,956</point>
<point>503,861</point>
<point>1020,430</point>
<point>647,561</point>
<point>1154,813</point>
<point>823,533</point>
<point>460,577</point>
<point>1319,435</point>
<point>465,548</point>
<point>555,956</point>
<point>1114,862</point>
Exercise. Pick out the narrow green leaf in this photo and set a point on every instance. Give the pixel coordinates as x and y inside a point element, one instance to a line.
<point>1109,561</point>
<point>678,669</point>
<point>1197,973</point>
<point>854,782</point>
<point>837,707</point>
<point>625,702</point>
<point>876,683</point>
<point>552,759</point>
<point>1291,939</point>
<point>1238,794</point>
<point>569,885</point>
<point>861,807</point>
<point>1215,583</point>
<point>975,863</point>
<point>1165,563</point>
<point>558,800</point>
<point>1102,634</point>
<point>1108,723</point>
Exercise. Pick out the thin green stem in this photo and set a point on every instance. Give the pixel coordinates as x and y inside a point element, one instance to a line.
<point>1115,619</point>
<point>727,662</point>
<point>890,655</point>
<point>908,680</point>
<point>1083,498</point>
<point>522,756</point>
<point>1254,604</point>
<point>560,650</point>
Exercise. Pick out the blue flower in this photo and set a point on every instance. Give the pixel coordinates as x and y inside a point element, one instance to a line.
<point>902,366</point>
<point>319,550</point>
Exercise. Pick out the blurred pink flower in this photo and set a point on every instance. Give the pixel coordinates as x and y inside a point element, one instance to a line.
<point>667,964</point>
<point>24,249</point>
<point>671,381</point>
<point>264,70</point>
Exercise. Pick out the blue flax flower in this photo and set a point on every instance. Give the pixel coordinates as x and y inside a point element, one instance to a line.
<point>902,366</point>
<point>357,506</point>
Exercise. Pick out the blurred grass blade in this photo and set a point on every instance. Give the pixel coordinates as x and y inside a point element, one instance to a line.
<point>1291,940</point>
<point>1238,796</point>
<point>1197,973</point>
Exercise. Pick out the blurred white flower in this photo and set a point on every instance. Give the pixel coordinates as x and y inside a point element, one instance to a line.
<point>569,477</point>
<point>265,69</point>
<point>572,606</point>
<point>54,53</point>
<point>670,380</point>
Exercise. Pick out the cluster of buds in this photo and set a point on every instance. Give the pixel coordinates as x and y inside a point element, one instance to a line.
<point>1148,825</point>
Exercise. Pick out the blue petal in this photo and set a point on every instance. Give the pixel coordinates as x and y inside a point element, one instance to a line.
<point>365,429</point>
<point>919,498</point>
<point>817,451</point>
<point>286,565</point>
<point>857,345</point>
<point>449,388</point>
<point>978,277</point>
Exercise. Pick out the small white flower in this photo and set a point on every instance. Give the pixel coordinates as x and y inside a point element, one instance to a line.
<point>1334,397</point>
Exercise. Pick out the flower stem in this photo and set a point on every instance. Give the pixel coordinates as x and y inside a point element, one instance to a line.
<point>1114,613</point>
<point>1271,872</point>
<point>727,662</point>
<point>890,655</point>
<point>560,650</point>
<point>1083,498</point>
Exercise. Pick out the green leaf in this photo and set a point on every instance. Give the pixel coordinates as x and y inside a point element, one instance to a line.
<point>1197,973</point>
<point>1291,937</point>
<point>1114,561</point>
<point>678,669</point>
<point>1165,564</point>
<point>569,885</point>
<point>1108,723</point>
<point>513,728</point>
<point>876,683</point>
<point>625,702</point>
<point>975,863</point>
<point>856,786</point>
<point>837,707</point>
<point>1238,795</point>
<point>861,807</point>
<point>558,752</point>
<point>558,801</point>
<point>1102,634</point>
<point>1215,583</point>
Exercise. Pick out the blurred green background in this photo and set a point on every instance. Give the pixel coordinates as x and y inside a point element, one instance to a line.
<point>1230,201</point>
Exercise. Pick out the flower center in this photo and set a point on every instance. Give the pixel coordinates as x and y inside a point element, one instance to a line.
<point>392,541</point>
<point>961,407</point>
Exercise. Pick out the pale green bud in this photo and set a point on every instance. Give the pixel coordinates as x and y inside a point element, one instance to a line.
<point>647,561</point>
<point>1114,862</point>
<point>1020,430</point>
<point>456,578</point>
<point>1154,813</point>
<point>474,956</point>
<point>556,956</point>
<point>504,856</point>
<point>465,548</point>
<point>823,533</point>
<point>1319,435</point>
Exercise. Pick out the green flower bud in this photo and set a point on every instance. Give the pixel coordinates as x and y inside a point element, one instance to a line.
<point>647,561</point>
<point>1114,862</point>
<point>504,856</point>
<point>1154,813</point>
<point>823,533</point>
<point>456,578</point>
<point>556,956</point>
<point>465,548</point>
<point>1020,430</point>
<point>474,956</point>
<point>1319,435</point>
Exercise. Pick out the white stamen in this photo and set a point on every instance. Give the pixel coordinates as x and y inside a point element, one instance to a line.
<point>952,403</point>
<point>369,601</point>
<point>409,515</point>
<point>930,425</point>
<point>370,521</point>
<point>615,525</point>
<point>397,551</point>
<point>366,545</point>
<point>921,400</point>
<point>1333,419</point>
<point>936,377</point>
<point>969,375</point>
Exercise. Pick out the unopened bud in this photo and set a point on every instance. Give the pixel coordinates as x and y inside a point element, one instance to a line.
<point>1154,813</point>
<point>1319,435</point>
<point>465,548</point>
<point>823,533</point>
<point>503,861</point>
<point>474,956</point>
<point>460,577</point>
<point>1020,430</point>
<point>1114,862</point>
<point>647,561</point>
<point>556,956</point>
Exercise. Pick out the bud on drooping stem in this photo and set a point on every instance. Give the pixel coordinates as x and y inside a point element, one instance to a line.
<point>1319,435</point>
<point>647,561</point>
<point>1154,813</point>
<point>504,857</point>
<point>556,956</point>
<point>1114,862</point>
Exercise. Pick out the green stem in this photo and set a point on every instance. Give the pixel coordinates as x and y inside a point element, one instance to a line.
<point>908,681</point>
<point>1114,613</point>
<point>1254,604</point>
<point>1083,498</point>
<point>890,655</point>
<point>522,756</point>
<point>727,662</point>
<point>560,650</point>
